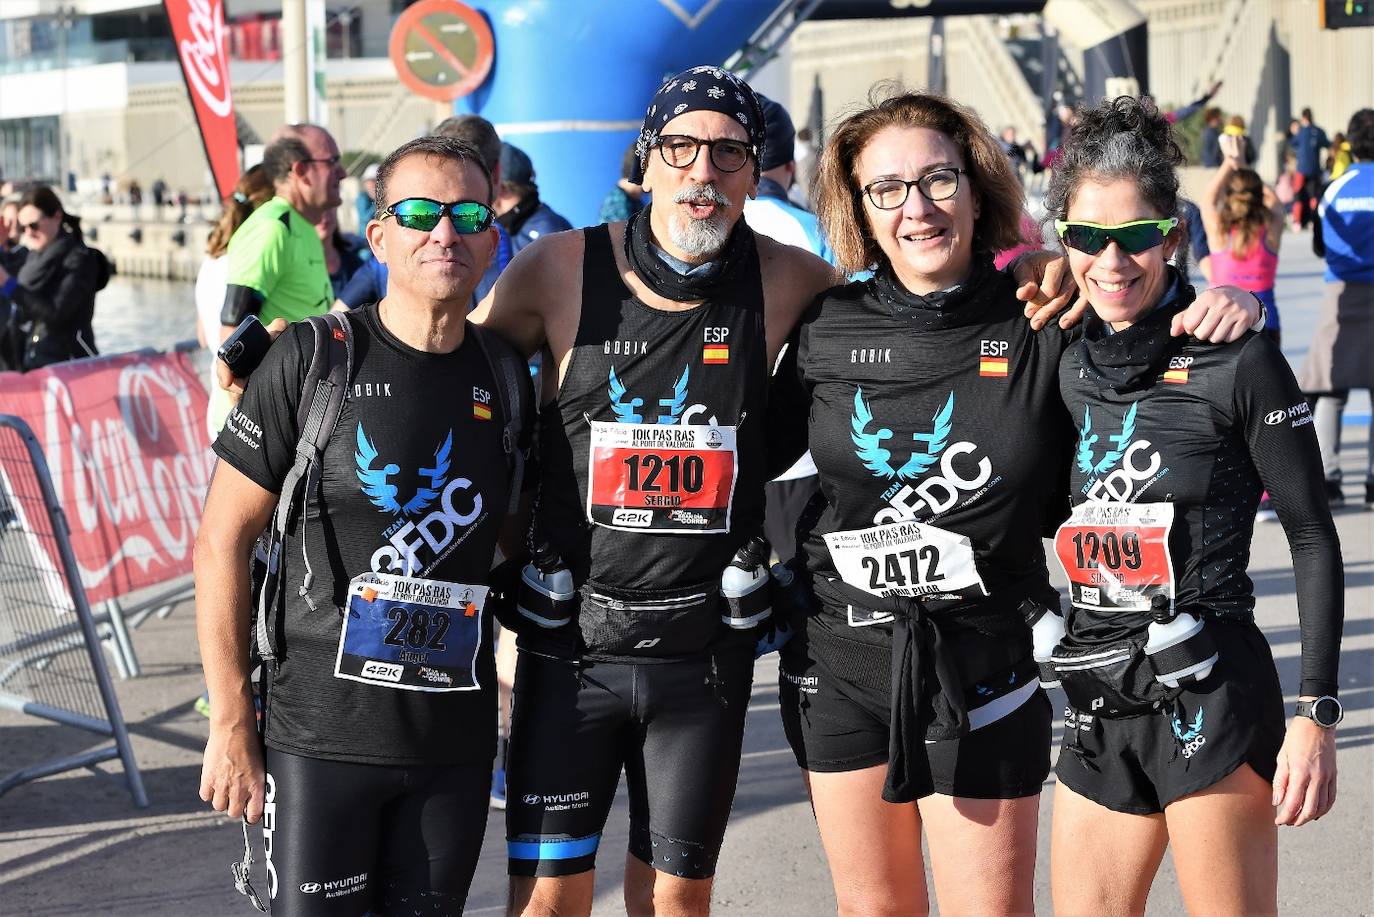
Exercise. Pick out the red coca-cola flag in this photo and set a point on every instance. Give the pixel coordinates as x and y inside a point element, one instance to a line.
<point>202,48</point>
<point>125,441</point>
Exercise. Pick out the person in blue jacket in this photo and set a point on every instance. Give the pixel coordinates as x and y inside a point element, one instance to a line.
<point>518,207</point>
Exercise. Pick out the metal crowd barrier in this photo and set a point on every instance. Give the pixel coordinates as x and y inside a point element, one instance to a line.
<point>51,664</point>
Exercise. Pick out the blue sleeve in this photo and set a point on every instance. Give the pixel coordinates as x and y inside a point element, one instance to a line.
<point>365,286</point>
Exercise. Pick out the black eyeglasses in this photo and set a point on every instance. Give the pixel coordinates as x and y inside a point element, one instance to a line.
<point>891,193</point>
<point>332,161</point>
<point>680,151</point>
<point>423,214</point>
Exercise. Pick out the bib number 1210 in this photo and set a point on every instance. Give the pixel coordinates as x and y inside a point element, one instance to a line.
<point>685,473</point>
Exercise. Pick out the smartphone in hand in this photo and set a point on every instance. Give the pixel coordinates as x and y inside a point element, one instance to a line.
<point>243,350</point>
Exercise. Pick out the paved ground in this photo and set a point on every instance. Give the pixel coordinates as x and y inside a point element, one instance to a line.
<point>74,844</point>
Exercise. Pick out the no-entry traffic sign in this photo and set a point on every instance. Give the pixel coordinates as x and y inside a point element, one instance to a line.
<point>442,49</point>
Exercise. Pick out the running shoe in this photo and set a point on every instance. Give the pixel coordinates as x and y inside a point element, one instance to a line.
<point>498,789</point>
<point>1266,510</point>
<point>1334,497</point>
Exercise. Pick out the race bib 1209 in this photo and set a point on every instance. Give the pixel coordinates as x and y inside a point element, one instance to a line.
<point>410,633</point>
<point>1116,555</point>
<point>662,478</point>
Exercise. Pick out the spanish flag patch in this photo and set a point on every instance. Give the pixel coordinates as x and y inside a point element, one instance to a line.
<point>992,366</point>
<point>1176,376</point>
<point>715,353</point>
<point>481,411</point>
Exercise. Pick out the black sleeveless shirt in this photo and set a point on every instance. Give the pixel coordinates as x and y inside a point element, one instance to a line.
<point>669,507</point>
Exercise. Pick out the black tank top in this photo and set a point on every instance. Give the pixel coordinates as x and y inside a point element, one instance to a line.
<point>670,510</point>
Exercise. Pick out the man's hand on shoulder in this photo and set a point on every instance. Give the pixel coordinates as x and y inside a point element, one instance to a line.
<point>1045,284</point>
<point>1219,315</point>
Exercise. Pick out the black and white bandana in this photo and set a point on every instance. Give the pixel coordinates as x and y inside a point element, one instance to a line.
<point>703,89</point>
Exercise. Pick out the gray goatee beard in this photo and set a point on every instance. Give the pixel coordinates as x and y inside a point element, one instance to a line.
<point>700,238</point>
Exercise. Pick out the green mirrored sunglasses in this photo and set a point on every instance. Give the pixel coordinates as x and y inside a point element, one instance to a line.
<point>423,214</point>
<point>1134,237</point>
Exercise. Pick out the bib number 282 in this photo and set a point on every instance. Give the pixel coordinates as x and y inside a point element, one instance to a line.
<point>416,629</point>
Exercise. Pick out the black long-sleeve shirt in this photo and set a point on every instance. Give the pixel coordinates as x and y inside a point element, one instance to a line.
<point>1207,428</point>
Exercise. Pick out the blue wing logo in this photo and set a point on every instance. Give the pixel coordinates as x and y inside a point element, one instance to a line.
<point>1192,732</point>
<point>675,405</point>
<point>377,486</point>
<point>437,474</point>
<point>374,481</point>
<point>878,460</point>
<point>1086,458</point>
<point>627,410</point>
<point>868,446</point>
<point>932,443</point>
<point>624,413</point>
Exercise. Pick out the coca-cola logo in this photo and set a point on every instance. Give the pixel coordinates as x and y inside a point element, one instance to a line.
<point>203,58</point>
<point>131,471</point>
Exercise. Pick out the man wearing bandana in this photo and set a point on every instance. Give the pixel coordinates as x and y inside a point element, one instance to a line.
<point>663,330</point>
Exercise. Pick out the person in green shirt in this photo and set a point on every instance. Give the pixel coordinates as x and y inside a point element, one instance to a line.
<point>276,262</point>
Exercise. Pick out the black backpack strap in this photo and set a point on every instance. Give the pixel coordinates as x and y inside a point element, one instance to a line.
<point>322,396</point>
<point>516,395</point>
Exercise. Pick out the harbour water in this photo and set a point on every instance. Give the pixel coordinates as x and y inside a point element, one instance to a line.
<point>136,312</point>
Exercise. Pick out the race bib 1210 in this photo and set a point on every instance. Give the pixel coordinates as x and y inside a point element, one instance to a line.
<point>662,478</point>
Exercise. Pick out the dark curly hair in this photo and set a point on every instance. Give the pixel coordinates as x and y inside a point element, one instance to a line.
<point>1123,138</point>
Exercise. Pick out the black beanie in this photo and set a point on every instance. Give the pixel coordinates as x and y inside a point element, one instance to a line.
<point>779,135</point>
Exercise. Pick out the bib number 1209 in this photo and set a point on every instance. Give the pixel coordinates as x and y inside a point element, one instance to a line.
<point>889,574</point>
<point>684,473</point>
<point>1108,549</point>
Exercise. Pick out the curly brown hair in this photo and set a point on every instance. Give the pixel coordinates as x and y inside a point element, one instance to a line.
<point>839,203</point>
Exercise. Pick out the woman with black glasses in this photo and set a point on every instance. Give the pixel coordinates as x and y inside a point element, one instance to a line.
<point>1175,734</point>
<point>910,696</point>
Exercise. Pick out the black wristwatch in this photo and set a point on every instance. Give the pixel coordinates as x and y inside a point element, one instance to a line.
<point>1325,711</point>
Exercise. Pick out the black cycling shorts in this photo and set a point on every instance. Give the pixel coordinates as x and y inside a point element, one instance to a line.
<point>1140,764</point>
<point>675,727</point>
<point>345,839</point>
<point>838,721</point>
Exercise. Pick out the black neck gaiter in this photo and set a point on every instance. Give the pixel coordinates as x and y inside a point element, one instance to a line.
<point>668,283</point>
<point>942,308</point>
<point>1130,359</point>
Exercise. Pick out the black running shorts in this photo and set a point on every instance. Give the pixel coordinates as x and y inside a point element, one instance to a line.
<point>349,839</point>
<point>675,727</point>
<point>839,721</point>
<point>1140,764</point>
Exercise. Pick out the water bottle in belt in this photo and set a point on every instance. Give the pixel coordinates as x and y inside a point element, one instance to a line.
<point>547,593</point>
<point>1047,629</point>
<point>1179,648</point>
<point>744,586</point>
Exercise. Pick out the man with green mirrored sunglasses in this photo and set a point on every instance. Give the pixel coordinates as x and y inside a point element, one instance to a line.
<point>422,214</point>
<point>376,761</point>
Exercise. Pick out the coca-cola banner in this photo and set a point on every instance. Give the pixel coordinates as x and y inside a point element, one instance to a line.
<point>125,441</point>
<point>203,49</point>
